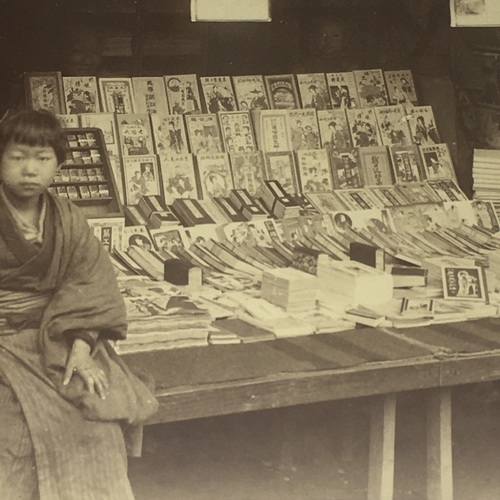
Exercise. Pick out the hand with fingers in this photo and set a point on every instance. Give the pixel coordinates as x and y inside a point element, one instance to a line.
<point>81,363</point>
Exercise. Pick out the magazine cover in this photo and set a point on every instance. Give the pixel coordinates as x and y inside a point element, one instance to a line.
<point>423,125</point>
<point>237,131</point>
<point>343,90</point>
<point>406,163</point>
<point>371,88</point>
<point>45,91</point>
<point>282,91</point>
<point>485,215</point>
<point>169,134</point>
<point>280,166</point>
<point>400,87</point>
<point>358,199</point>
<point>107,123</point>
<point>346,169</point>
<point>250,92</point>
<point>393,126</point>
<point>325,202</point>
<point>204,134</point>
<point>178,179</point>
<point>218,93</point>
<point>313,91</point>
<point>80,94</point>
<point>134,131</point>
<point>464,283</point>
<point>437,162</point>
<point>375,166</point>
<point>137,236</point>
<point>215,175</point>
<point>474,13</point>
<point>304,130</point>
<point>334,130</point>
<point>150,95</point>
<point>248,170</point>
<point>183,94</point>
<point>363,127</point>
<point>314,171</point>
<point>141,178</point>
<point>68,121</point>
<point>116,95</point>
<point>418,192</point>
<point>388,196</point>
<point>109,231</point>
<point>272,130</point>
<point>447,189</point>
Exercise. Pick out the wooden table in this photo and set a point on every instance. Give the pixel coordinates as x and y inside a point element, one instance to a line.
<point>218,380</point>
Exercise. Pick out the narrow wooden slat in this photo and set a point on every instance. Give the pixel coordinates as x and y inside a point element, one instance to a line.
<point>439,453</point>
<point>382,443</point>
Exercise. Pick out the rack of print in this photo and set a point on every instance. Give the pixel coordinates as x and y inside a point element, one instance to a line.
<point>86,177</point>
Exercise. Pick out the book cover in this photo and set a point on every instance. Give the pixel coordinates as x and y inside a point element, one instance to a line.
<point>229,209</point>
<point>314,171</point>
<point>204,134</point>
<point>218,93</point>
<point>166,238</point>
<point>363,127</point>
<point>81,94</point>
<point>388,195</point>
<point>272,130</point>
<point>464,283</point>
<point>183,94</point>
<point>150,95</point>
<point>401,87</point>
<point>406,163</point>
<point>393,125</point>
<point>447,189</point>
<point>45,91</point>
<point>334,130</point>
<point>343,90</point>
<point>418,192</point>
<point>141,178</point>
<point>423,125</point>
<point>325,202</point>
<point>371,88</point>
<point>437,162</point>
<point>169,134</point>
<point>68,121</point>
<point>367,254</point>
<point>305,259</point>
<point>109,231</point>
<point>237,131</point>
<point>280,166</point>
<point>282,91</point>
<point>116,95</point>
<point>304,130</point>
<point>178,178</point>
<point>485,215</point>
<point>346,169</point>
<point>248,170</point>
<point>215,175</point>
<point>250,92</point>
<point>134,132</point>
<point>375,166</point>
<point>313,91</point>
<point>358,199</point>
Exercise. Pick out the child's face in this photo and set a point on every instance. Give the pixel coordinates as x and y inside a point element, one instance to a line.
<point>27,171</point>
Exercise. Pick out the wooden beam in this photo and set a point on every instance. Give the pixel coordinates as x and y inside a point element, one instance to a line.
<point>439,445</point>
<point>382,441</point>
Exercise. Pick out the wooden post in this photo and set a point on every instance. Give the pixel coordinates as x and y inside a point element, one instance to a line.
<point>382,438</point>
<point>439,452</point>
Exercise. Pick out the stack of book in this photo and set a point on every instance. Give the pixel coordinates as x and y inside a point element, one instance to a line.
<point>277,201</point>
<point>190,212</point>
<point>353,283</point>
<point>156,213</point>
<point>486,176</point>
<point>289,288</point>
<point>247,205</point>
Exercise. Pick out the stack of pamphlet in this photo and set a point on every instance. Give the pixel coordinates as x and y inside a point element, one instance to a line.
<point>290,289</point>
<point>486,175</point>
<point>353,283</point>
<point>277,201</point>
<point>160,316</point>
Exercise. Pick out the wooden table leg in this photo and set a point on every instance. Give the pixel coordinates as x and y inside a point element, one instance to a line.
<point>439,453</point>
<point>382,437</point>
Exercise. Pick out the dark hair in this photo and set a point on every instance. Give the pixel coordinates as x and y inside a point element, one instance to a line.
<point>33,128</point>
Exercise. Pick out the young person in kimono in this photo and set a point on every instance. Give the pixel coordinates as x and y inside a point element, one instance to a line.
<point>65,396</point>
